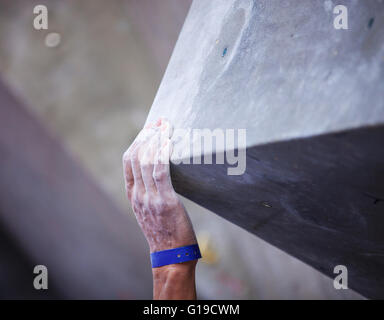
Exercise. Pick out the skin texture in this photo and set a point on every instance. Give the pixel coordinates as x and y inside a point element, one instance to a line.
<point>158,210</point>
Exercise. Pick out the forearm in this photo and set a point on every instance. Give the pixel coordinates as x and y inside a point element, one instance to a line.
<point>175,282</point>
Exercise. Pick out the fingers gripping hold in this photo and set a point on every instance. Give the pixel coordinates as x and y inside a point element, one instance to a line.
<point>146,162</point>
<point>157,208</point>
<point>131,161</point>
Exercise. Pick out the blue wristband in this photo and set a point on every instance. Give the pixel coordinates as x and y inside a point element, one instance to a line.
<point>176,255</point>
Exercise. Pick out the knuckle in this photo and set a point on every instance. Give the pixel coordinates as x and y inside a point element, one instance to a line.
<point>159,175</point>
<point>129,180</point>
<point>165,205</point>
<point>135,207</point>
<point>137,199</point>
<point>145,165</point>
<point>134,156</point>
<point>126,156</point>
<point>135,163</point>
<point>129,184</point>
<point>149,204</point>
<point>134,149</point>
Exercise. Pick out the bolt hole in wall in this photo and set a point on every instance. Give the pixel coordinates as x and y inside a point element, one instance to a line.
<point>370,22</point>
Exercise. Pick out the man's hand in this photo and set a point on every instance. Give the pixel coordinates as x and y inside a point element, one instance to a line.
<point>159,212</point>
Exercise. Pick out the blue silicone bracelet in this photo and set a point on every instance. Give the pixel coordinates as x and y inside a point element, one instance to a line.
<point>176,255</point>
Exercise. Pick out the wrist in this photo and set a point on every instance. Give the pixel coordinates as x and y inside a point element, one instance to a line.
<point>175,281</point>
<point>184,269</point>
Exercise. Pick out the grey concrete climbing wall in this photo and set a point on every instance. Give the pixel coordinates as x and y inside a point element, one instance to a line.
<point>311,99</point>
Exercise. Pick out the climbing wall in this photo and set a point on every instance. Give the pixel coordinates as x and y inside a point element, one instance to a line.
<point>311,98</point>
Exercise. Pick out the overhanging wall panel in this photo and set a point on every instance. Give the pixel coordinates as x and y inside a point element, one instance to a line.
<point>312,100</point>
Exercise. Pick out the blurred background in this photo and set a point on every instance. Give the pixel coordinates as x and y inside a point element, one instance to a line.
<point>81,91</point>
